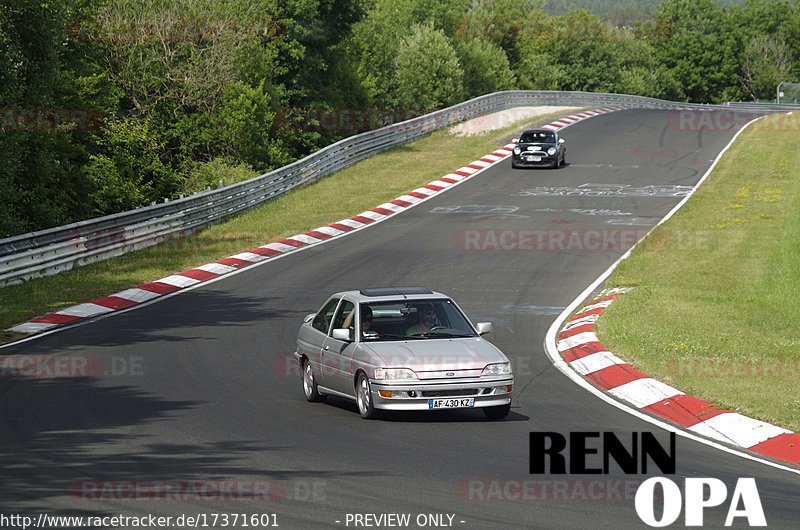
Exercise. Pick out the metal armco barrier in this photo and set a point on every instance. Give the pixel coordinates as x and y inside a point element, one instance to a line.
<point>51,251</point>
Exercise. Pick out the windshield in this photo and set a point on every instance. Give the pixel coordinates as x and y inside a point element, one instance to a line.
<point>413,320</point>
<point>537,136</point>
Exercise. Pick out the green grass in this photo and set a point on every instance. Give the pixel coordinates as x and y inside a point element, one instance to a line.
<point>348,192</point>
<point>715,307</point>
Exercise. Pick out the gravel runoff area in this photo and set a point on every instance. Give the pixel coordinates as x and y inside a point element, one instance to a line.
<point>504,118</point>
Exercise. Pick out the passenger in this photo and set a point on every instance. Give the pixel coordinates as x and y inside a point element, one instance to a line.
<point>366,323</point>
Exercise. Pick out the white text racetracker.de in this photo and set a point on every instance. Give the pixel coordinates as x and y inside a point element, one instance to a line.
<point>400,520</point>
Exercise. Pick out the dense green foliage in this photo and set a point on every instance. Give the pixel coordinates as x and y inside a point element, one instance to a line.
<point>109,105</point>
<point>617,9</point>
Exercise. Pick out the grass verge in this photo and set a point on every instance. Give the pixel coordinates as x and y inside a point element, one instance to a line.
<point>714,309</point>
<point>348,192</point>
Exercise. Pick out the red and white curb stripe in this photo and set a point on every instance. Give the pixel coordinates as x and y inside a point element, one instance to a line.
<point>152,290</point>
<point>581,349</point>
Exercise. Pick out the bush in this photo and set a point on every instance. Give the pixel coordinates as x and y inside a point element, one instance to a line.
<point>128,172</point>
<point>208,175</point>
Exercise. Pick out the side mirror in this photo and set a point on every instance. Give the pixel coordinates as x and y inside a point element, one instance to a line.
<point>484,328</point>
<point>561,140</point>
<point>309,318</point>
<point>515,140</point>
<point>342,334</point>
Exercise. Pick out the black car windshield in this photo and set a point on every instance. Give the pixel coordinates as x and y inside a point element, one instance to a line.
<point>530,137</point>
<point>413,320</point>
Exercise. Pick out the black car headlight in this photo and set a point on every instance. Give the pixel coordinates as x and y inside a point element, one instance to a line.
<point>551,151</point>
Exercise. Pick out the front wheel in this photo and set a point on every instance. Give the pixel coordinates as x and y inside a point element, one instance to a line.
<point>497,412</point>
<point>310,388</point>
<point>364,398</point>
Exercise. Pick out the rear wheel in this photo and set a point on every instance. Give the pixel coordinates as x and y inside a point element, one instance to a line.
<point>498,412</point>
<point>364,398</point>
<point>310,384</point>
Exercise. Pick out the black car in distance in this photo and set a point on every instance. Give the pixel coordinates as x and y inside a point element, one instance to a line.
<point>538,147</point>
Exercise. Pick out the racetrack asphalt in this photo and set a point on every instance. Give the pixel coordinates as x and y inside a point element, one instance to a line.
<point>199,387</point>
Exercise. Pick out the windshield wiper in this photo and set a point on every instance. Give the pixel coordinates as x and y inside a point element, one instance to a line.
<point>391,336</point>
<point>448,335</point>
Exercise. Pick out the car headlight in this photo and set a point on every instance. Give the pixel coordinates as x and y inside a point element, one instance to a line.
<point>394,373</point>
<point>551,151</point>
<point>497,369</point>
<point>517,150</point>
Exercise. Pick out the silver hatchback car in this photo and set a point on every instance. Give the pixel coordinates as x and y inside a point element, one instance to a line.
<point>401,348</point>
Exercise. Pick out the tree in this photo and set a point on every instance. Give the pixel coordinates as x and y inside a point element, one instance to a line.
<point>760,17</point>
<point>701,51</point>
<point>486,67</point>
<point>538,70</point>
<point>429,75</point>
<point>507,23</point>
<point>310,59</point>
<point>574,52</point>
<point>179,53</point>
<point>766,62</point>
<point>377,38</point>
<point>790,29</point>
<point>640,72</point>
<point>48,87</point>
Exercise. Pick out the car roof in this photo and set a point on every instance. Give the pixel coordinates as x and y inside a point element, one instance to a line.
<point>384,294</point>
<point>538,131</point>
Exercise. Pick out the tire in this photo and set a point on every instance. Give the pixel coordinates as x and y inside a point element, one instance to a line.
<point>310,384</point>
<point>364,398</point>
<point>498,412</point>
<point>514,165</point>
<point>556,163</point>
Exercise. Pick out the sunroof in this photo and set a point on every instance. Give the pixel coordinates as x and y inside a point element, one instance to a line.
<point>395,291</point>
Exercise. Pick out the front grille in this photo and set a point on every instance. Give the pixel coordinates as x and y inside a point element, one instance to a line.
<point>450,393</point>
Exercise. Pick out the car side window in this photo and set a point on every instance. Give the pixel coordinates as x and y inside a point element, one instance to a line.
<point>323,319</point>
<point>345,317</point>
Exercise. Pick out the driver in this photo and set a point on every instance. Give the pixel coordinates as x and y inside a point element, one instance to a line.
<point>427,320</point>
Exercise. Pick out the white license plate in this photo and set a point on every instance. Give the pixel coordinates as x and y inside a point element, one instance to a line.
<point>451,403</point>
<point>535,158</point>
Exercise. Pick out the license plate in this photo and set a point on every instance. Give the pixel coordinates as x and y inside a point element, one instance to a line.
<point>451,403</point>
<point>535,158</point>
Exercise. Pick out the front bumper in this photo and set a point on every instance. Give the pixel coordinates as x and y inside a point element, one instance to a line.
<point>527,159</point>
<point>407,395</point>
